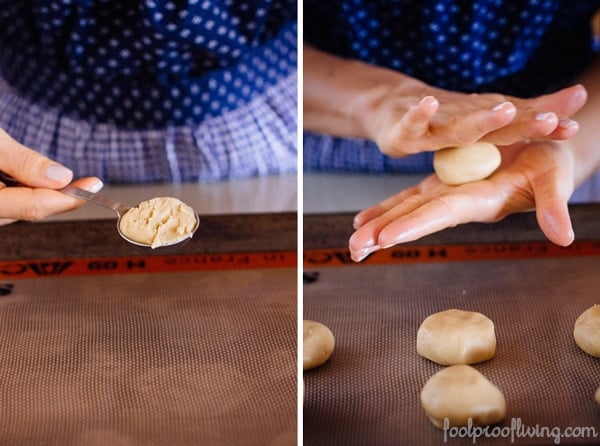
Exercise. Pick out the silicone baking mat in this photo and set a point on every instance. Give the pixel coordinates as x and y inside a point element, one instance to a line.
<point>368,392</point>
<point>106,346</point>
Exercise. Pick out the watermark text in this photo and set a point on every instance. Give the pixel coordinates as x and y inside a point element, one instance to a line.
<point>517,430</point>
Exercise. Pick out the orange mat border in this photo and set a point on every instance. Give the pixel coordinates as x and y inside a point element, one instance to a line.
<point>27,269</point>
<point>317,258</point>
<point>313,258</point>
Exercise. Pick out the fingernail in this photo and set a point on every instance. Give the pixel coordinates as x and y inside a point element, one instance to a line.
<point>364,240</point>
<point>554,226</point>
<point>363,253</point>
<point>503,105</point>
<point>56,172</point>
<point>431,99</point>
<point>568,123</point>
<point>547,116</point>
<point>356,223</point>
<point>571,236</point>
<point>96,186</point>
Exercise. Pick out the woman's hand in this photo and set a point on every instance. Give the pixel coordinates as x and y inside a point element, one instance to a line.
<point>36,198</point>
<point>403,115</point>
<point>420,118</point>
<point>536,175</point>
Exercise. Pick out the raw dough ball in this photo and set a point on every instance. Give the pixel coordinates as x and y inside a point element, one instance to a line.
<point>318,344</point>
<point>456,337</point>
<point>597,395</point>
<point>587,331</point>
<point>459,393</point>
<point>458,165</point>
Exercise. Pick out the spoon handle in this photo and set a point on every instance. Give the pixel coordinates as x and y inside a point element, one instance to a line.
<point>94,198</point>
<point>75,191</point>
<point>8,180</point>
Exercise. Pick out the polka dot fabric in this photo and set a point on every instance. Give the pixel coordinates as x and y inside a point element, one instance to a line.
<point>153,91</point>
<point>519,48</point>
<point>146,64</point>
<point>256,139</point>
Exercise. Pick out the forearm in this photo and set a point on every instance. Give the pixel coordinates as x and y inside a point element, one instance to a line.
<point>341,95</point>
<point>586,143</point>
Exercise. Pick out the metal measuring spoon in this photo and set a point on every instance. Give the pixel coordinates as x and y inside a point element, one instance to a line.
<point>121,210</point>
<point>103,201</point>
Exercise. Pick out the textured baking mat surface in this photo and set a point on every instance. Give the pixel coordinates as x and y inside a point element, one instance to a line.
<point>186,358</point>
<point>368,392</point>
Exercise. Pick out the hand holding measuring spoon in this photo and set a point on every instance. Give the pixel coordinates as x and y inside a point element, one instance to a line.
<point>40,187</point>
<point>39,179</point>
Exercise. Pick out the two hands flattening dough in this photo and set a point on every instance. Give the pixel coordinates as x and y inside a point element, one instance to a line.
<point>546,142</point>
<point>534,173</point>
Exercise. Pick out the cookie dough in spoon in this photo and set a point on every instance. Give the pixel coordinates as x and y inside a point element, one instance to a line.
<point>160,221</point>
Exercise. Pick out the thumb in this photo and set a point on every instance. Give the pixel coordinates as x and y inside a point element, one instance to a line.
<point>29,167</point>
<point>552,211</point>
<point>555,222</point>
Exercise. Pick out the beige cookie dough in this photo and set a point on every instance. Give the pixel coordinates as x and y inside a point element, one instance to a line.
<point>458,393</point>
<point>597,395</point>
<point>160,221</point>
<point>318,344</point>
<point>459,165</point>
<point>587,331</point>
<point>456,337</point>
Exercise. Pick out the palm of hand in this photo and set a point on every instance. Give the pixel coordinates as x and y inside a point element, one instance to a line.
<point>532,175</point>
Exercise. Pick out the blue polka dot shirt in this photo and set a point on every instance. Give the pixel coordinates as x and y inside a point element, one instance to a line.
<point>521,48</point>
<point>146,64</point>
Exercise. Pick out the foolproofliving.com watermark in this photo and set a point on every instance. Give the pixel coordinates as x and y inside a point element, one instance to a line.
<point>517,430</point>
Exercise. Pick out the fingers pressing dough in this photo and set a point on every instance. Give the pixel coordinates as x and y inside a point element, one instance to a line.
<point>459,393</point>
<point>318,344</point>
<point>456,337</point>
<point>587,331</point>
<point>458,165</point>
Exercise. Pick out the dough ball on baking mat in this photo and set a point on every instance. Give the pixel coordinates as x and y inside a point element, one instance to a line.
<point>460,393</point>
<point>457,337</point>
<point>318,344</point>
<point>587,331</point>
